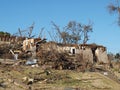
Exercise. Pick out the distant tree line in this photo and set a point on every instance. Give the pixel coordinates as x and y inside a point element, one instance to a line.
<point>113,57</point>
<point>4,33</point>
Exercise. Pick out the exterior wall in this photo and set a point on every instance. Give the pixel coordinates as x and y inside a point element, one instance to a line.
<point>67,49</point>
<point>86,52</point>
<point>60,49</point>
<point>49,46</point>
<point>101,55</point>
<point>73,50</point>
<point>87,55</point>
<point>28,44</point>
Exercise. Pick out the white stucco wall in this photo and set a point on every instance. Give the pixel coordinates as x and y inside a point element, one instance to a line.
<point>101,55</point>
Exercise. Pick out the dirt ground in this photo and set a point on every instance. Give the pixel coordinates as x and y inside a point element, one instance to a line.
<point>21,77</point>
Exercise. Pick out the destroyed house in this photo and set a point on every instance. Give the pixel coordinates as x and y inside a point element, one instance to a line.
<point>90,52</point>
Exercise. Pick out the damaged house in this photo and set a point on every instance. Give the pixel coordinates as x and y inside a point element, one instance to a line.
<point>87,53</point>
<point>95,53</point>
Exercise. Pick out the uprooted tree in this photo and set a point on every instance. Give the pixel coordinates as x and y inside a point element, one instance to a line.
<point>72,33</point>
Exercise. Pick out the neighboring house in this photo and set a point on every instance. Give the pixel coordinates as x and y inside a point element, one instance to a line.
<point>30,44</point>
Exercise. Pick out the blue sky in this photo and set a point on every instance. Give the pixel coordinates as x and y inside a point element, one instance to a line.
<point>16,14</point>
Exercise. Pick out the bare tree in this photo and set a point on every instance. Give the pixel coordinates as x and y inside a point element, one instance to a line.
<point>78,32</point>
<point>115,9</point>
<point>30,30</point>
<point>26,33</point>
<point>41,31</point>
<point>58,35</point>
<point>68,34</point>
<point>86,30</point>
<point>73,32</point>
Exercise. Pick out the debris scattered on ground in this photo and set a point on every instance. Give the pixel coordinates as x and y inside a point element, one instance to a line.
<point>35,62</point>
